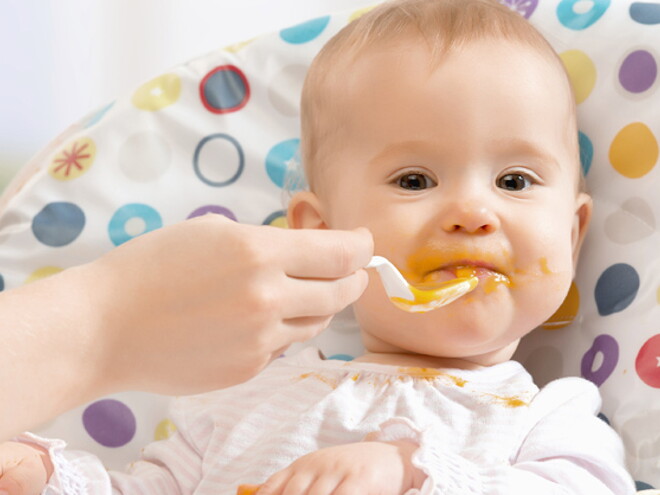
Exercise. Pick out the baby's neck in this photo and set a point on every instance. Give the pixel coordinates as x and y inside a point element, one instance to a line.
<point>416,361</point>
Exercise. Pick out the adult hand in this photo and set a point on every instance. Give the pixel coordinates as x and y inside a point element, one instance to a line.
<point>195,306</point>
<point>208,303</point>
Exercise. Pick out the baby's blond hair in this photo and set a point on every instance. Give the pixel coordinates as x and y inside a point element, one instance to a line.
<point>442,25</point>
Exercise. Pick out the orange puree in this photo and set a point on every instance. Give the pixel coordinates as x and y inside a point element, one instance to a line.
<point>435,297</point>
<point>492,281</point>
<point>247,489</point>
<point>544,266</point>
<point>431,374</point>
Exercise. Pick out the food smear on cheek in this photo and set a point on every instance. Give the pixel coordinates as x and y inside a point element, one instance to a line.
<point>543,263</point>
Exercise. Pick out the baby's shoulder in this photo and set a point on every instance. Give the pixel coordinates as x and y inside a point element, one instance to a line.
<point>569,397</point>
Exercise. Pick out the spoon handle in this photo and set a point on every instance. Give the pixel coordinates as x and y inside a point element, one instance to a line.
<point>394,283</point>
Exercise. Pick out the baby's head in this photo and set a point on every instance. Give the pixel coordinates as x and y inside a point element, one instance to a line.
<point>447,127</point>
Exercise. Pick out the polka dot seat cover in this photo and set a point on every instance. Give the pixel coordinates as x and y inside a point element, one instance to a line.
<point>215,135</point>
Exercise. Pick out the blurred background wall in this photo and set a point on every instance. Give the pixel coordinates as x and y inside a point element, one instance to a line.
<point>60,59</point>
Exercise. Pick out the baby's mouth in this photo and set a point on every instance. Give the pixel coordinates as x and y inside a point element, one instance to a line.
<point>488,275</point>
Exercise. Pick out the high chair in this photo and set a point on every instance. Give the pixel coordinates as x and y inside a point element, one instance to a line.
<point>217,133</point>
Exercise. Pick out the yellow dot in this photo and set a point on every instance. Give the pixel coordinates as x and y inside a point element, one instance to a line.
<point>43,272</point>
<point>236,47</point>
<point>73,160</point>
<point>280,222</point>
<point>634,151</point>
<point>581,72</point>
<point>164,430</point>
<point>360,12</point>
<point>657,295</point>
<point>158,93</point>
<point>567,311</point>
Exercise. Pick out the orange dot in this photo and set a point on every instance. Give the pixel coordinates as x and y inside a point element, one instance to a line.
<point>567,311</point>
<point>634,151</point>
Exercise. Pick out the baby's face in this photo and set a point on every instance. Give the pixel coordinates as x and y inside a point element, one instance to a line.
<point>471,165</point>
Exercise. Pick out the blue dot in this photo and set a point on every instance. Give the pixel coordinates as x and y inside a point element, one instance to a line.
<point>645,12</point>
<point>277,160</point>
<point>616,288</point>
<point>307,31</point>
<point>342,357</point>
<point>58,224</point>
<point>586,152</point>
<point>227,160</point>
<point>640,485</point>
<point>225,89</point>
<point>149,218</point>
<point>2,283</point>
<point>578,21</point>
<point>98,115</point>
<point>604,418</point>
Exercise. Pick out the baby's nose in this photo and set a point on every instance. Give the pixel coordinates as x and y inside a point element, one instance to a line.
<point>471,217</point>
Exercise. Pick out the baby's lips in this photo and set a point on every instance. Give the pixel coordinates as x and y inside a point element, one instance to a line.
<point>247,489</point>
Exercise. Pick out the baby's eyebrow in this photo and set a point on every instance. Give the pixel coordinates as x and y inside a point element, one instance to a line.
<point>412,146</point>
<point>521,146</point>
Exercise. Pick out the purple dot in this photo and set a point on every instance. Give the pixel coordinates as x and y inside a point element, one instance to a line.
<point>638,71</point>
<point>523,7</point>
<point>218,210</point>
<point>607,346</point>
<point>110,422</point>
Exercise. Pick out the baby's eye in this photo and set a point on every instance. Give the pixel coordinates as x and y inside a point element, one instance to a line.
<point>514,182</point>
<point>415,181</point>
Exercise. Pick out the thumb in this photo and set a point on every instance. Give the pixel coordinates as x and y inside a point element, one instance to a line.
<point>27,478</point>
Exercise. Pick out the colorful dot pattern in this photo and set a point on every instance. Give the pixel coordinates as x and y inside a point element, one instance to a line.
<point>216,135</point>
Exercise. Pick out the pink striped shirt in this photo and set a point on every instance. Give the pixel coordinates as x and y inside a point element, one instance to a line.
<point>487,431</point>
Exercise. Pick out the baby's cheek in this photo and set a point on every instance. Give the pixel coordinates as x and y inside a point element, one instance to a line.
<point>542,287</point>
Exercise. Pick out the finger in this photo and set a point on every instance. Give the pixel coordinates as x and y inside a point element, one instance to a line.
<point>27,478</point>
<point>322,297</point>
<point>275,484</point>
<point>325,485</point>
<point>301,330</point>
<point>314,253</point>
<point>298,484</point>
<point>350,486</point>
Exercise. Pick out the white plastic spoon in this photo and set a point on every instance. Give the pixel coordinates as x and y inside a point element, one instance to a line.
<point>414,300</point>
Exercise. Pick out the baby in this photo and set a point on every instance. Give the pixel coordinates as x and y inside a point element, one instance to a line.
<point>446,127</point>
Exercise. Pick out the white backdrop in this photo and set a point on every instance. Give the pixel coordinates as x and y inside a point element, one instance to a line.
<point>60,59</point>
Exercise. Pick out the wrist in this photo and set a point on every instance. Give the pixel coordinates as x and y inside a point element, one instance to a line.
<point>45,459</point>
<point>413,476</point>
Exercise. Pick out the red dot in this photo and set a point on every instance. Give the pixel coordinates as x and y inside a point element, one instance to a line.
<point>647,363</point>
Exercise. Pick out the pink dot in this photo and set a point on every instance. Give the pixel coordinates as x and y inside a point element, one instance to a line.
<point>647,363</point>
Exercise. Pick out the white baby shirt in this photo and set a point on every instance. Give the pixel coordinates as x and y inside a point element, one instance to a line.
<point>487,431</point>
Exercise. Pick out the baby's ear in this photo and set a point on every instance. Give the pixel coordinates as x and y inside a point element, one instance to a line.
<point>305,212</point>
<point>584,206</point>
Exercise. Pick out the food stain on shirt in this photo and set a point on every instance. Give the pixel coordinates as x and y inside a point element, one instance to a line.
<point>328,381</point>
<point>513,401</point>
<point>431,374</point>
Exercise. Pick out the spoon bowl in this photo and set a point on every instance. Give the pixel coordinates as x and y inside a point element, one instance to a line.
<point>419,300</point>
